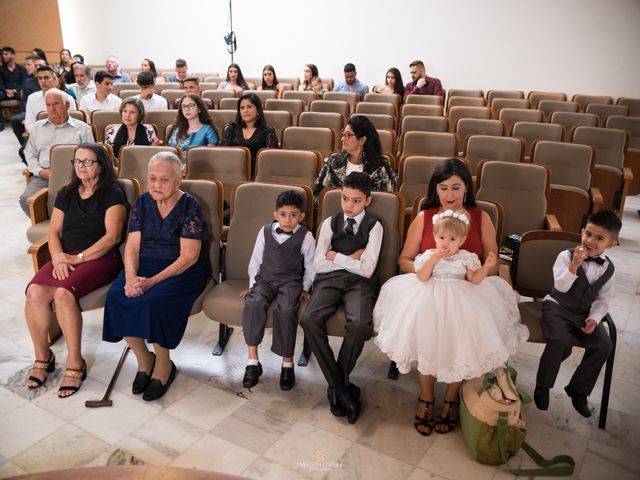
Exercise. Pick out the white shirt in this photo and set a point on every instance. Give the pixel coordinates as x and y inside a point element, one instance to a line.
<point>36,104</point>
<point>307,250</point>
<point>156,102</point>
<point>363,267</point>
<point>563,280</point>
<point>354,167</point>
<point>90,103</point>
<point>81,92</point>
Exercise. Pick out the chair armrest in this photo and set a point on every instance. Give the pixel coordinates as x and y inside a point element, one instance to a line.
<point>596,199</point>
<point>39,252</point>
<point>27,175</point>
<point>627,174</point>
<point>504,272</point>
<point>38,206</point>
<point>552,223</point>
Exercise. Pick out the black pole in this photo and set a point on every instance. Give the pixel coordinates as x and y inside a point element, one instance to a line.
<point>232,49</point>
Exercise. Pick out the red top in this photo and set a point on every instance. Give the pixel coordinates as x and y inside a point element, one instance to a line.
<point>473,243</point>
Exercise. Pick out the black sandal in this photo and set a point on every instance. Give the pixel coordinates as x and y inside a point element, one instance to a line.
<point>450,419</point>
<point>48,366</point>
<point>73,373</point>
<point>426,420</point>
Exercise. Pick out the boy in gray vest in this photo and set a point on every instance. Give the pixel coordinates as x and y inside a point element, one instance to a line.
<point>346,257</point>
<point>580,298</point>
<point>281,268</point>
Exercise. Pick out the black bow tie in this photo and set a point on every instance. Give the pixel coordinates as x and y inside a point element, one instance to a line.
<point>598,260</point>
<point>281,231</point>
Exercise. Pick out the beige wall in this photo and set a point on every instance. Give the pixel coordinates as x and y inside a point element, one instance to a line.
<point>27,24</point>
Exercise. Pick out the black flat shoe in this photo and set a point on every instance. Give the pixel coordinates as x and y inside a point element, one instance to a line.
<point>141,382</point>
<point>287,378</point>
<point>393,372</point>
<point>252,375</point>
<point>541,397</point>
<point>579,401</point>
<point>156,389</point>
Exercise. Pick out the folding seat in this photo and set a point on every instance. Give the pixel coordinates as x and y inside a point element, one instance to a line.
<point>610,174</point>
<point>388,141</point>
<point>414,174</point>
<point>456,113</point>
<point>493,94</point>
<point>424,100</point>
<point>571,197</point>
<point>512,115</point>
<point>392,98</point>
<point>535,97</point>
<point>288,167</point>
<point>427,144</point>
<point>208,86</point>
<point>160,87</point>
<point>632,160</point>
<point>293,81</point>
<point>530,131</point>
<point>466,102</point>
<point>334,106</point>
<point>216,95</point>
<point>263,95</point>
<point>134,160</point>
<point>584,100</point>
<point>499,103</point>
<point>547,107</point>
<point>379,121</point>
<point>603,111</point>
<point>295,106</point>
<point>384,108</point>
<point>278,119</point>
<point>424,124</point>
<point>307,97</point>
<point>477,126</point>
<point>569,120</point>
<point>126,93</point>
<point>487,147</point>
<point>309,138</point>
<point>632,103</point>
<point>118,87</point>
<point>221,118</point>
<point>350,97</point>
<point>228,104</point>
<point>421,110</point>
<point>459,92</point>
<point>171,96</point>
<point>334,121</point>
<point>161,118</point>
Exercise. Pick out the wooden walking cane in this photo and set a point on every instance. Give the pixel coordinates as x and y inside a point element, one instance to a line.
<point>105,402</point>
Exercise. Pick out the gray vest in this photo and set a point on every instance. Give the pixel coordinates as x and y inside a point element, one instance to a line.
<point>282,262</point>
<point>344,243</point>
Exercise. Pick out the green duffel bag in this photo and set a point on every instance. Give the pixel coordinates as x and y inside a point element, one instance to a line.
<point>494,426</point>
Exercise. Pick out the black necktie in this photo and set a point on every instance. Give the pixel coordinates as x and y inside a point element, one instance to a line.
<point>281,231</point>
<point>598,260</point>
<point>349,228</point>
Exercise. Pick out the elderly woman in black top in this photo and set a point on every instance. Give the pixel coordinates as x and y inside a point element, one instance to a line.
<point>132,130</point>
<point>250,128</point>
<point>361,152</point>
<point>84,233</point>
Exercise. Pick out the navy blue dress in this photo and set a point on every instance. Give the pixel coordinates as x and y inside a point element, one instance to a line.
<point>160,315</point>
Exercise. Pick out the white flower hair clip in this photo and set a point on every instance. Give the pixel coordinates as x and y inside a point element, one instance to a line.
<point>463,217</point>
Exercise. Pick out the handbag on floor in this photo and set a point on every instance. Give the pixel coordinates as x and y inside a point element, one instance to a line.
<point>494,426</point>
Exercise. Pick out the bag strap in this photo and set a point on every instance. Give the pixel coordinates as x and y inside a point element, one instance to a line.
<point>558,466</point>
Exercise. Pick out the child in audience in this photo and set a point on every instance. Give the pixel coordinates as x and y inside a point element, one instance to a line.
<point>583,284</point>
<point>317,86</point>
<point>281,268</point>
<point>346,257</point>
<point>448,318</point>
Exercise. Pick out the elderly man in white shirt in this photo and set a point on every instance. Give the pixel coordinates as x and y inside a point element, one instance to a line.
<point>58,128</point>
<point>84,85</point>
<point>149,99</point>
<point>36,103</point>
<point>102,99</point>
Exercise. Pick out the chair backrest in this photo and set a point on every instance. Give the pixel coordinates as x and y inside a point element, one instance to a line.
<point>459,92</point>
<point>500,103</point>
<point>424,124</point>
<point>228,104</point>
<point>478,126</point>
<point>134,160</point>
<point>335,106</point>
<point>76,114</point>
<point>208,193</point>
<point>288,167</point>
<point>102,118</point>
<point>293,81</point>
<point>570,164</point>
<point>229,165</point>
<point>392,98</point>
<point>572,119</point>
<point>306,96</point>
<point>630,124</point>
<point>535,97</point>
<point>487,147</point>
<point>388,207</point>
<point>161,87</point>
<point>603,110</point>
<point>118,87</point>
<point>384,108</point>
<point>171,96</point>
<point>388,141</point>
<point>512,115</point>
<point>216,95</point>
<point>428,144</point>
<point>424,100</point>
<point>521,188</point>
<point>162,118</point>
<point>456,113</point>
<point>466,102</point>
<point>128,92</point>
<point>632,103</point>
<point>278,119</point>
<point>309,138</point>
<point>493,94</point>
<point>536,256</point>
<point>414,175</point>
<point>220,119</point>
<point>332,120</point>
<point>421,109</point>
<point>530,131</point>
<point>547,107</point>
<point>584,100</point>
<point>251,207</point>
<point>350,97</point>
<point>60,157</point>
<point>610,144</point>
<point>379,121</point>
<point>293,105</point>
<point>263,95</point>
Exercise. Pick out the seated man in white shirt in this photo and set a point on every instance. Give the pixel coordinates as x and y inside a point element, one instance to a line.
<point>149,99</point>
<point>84,85</point>
<point>102,98</point>
<point>58,128</point>
<point>35,102</point>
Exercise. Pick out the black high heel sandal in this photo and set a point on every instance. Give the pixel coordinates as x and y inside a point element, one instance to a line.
<point>450,419</point>
<point>48,366</point>
<point>73,373</point>
<point>426,420</point>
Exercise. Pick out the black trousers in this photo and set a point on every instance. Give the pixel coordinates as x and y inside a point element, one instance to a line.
<point>559,327</point>
<point>358,295</point>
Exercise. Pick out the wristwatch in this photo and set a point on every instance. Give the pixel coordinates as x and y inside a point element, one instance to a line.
<point>80,256</point>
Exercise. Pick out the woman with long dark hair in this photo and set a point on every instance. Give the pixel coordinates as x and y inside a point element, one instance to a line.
<point>148,65</point>
<point>193,126</point>
<point>235,80</point>
<point>310,71</point>
<point>393,83</point>
<point>270,80</point>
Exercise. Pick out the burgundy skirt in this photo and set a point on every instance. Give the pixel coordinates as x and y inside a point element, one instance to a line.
<point>87,276</point>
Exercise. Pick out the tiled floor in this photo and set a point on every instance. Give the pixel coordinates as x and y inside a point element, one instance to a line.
<point>208,421</point>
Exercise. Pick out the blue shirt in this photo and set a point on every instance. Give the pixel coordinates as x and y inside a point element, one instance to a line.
<point>121,77</point>
<point>203,137</point>
<point>358,87</point>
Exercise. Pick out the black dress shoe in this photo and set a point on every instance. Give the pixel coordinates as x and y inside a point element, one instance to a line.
<point>156,389</point>
<point>579,401</point>
<point>337,410</point>
<point>351,405</point>
<point>393,372</point>
<point>354,391</point>
<point>287,378</point>
<point>141,382</point>
<point>252,375</point>
<point>541,397</point>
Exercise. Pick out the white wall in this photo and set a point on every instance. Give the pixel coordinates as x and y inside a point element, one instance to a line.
<point>575,46</point>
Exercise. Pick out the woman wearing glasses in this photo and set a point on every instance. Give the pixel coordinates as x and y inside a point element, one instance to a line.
<point>361,152</point>
<point>132,130</point>
<point>193,126</point>
<point>86,225</point>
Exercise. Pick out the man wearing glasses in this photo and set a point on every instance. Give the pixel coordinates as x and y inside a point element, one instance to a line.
<point>58,128</point>
<point>148,97</point>
<point>102,98</point>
